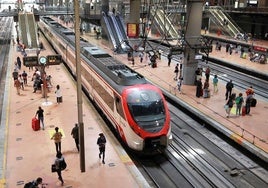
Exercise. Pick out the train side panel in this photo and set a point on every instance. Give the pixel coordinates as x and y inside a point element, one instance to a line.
<point>108,99</point>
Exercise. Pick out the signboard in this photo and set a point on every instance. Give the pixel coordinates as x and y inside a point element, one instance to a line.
<point>132,30</point>
<point>30,61</point>
<point>54,59</point>
<point>259,48</point>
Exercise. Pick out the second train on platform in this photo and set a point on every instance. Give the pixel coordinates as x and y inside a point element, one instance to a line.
<point>136,108</point>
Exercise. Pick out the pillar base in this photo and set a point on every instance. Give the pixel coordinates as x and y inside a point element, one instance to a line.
<point>189,74</point>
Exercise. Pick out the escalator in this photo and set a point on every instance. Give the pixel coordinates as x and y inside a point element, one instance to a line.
<point>224,22</point>
<point>23,29</point>
<point>116,32</point>
<point>28,30</point>
<point>33,31</point>
<point>163,23</point>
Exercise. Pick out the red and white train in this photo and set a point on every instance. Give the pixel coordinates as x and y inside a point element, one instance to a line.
<point>136,108</point>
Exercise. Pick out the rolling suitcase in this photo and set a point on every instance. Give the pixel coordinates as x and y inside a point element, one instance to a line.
<point>243,111</point>
<point>35,124</point>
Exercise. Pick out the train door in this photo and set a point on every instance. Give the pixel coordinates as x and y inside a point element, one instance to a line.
<point>119,115</point>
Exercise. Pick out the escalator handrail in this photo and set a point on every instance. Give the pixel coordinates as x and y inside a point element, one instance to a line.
<point>110,31</point>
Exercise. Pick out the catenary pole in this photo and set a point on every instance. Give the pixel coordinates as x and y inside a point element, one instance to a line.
<point>79,87</point>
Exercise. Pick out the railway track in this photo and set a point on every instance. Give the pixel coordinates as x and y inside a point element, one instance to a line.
<point>195,160</point>
<point>199,158</point>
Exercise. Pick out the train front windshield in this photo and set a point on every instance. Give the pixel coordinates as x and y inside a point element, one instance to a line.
<point>147,109</point>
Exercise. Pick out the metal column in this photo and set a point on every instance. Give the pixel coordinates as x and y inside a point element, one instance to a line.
<point>192,35</point>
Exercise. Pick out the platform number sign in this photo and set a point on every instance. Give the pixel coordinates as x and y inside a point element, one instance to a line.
<point>30,61</point>
<point>54,59</point>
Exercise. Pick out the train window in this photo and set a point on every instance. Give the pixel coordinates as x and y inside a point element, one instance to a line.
<point>119,107</point>
<point>146,105</point>
<point>103,94</point>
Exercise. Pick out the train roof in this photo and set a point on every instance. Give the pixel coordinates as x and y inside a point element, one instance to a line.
<point>115,70</point>
<point>109,67</point>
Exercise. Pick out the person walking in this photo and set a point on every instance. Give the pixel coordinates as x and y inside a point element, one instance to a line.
<point>179,83</point>
<point>57,139</point>
<point>101,142</point>
<point>58,94</point>
<point>215,83</point>
<point>24,77</point>
<point>229,86</point>
<point>21,82</point>
<point>239,101</point>
<point>169,56</point>
<point>176,71</point>
<point>229,106</point>
<point>17,86</point>
<point>40,115</point>
<point>75,134</point>
<point>58,161</point>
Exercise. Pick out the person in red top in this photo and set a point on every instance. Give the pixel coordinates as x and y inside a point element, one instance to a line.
<point>250,91</point>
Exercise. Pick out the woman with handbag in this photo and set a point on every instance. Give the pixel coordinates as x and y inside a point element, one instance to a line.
<point>57,166</point>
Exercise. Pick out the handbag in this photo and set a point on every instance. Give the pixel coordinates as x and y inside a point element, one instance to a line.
<point>53,168</point>
<point>226,106</point>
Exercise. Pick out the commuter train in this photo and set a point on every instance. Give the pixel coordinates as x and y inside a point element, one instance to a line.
<point>136,108</point>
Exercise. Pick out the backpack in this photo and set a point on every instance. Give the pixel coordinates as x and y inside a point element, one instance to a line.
<point>62,164</point>
<point>237,100</point>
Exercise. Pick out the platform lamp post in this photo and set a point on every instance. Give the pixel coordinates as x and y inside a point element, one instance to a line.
<point>79,87</point>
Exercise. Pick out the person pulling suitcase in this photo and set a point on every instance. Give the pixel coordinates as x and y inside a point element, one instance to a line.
<point>40,115</point>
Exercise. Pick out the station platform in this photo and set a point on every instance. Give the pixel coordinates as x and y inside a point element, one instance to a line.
<point>250,131</point>
<point>27,154</point>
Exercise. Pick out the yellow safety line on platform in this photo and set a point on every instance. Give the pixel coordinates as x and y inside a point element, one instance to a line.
<point>125,158</point>
<point>8,83</point>
<point>237,139</point>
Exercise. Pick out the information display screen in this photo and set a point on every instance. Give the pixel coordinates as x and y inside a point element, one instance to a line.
<point>30,61</point>
<point>54,59</point>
